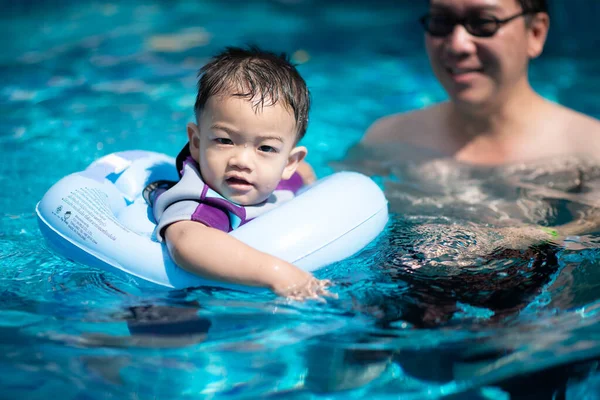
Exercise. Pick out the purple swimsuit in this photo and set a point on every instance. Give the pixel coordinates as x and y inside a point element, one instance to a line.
<point>192,200</point>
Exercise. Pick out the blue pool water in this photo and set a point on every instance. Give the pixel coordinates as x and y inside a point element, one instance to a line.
<point>84,79</point>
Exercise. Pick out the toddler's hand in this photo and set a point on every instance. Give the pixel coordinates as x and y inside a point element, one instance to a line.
<point>301,285</point>
<point>313,288</point>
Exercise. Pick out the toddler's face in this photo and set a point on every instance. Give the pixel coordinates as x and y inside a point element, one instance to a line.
<point>244,152</point>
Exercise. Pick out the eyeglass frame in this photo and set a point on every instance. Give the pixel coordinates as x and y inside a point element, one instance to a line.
<point>464,22</point>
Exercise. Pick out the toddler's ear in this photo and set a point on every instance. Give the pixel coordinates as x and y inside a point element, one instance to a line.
<point>296,156</point>
<point>193,133</point>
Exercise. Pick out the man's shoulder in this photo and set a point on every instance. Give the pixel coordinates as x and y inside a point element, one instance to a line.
<point>402,127</point>
<point>574,131</point>
<point>577,125</point>
<point>584,123</point>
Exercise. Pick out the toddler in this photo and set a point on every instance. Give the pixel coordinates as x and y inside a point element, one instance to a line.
<point>251,111</point>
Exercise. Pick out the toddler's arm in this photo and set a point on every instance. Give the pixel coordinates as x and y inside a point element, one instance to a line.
<point>214,254</point>
<point>306,172</point>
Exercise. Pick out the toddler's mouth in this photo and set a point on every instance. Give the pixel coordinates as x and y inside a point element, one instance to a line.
<point>237,181</point>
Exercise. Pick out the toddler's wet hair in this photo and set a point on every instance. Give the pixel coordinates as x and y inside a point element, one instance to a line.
<point>262,77</point>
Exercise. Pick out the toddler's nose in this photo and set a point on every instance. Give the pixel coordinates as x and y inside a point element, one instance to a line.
<point>242,158</point>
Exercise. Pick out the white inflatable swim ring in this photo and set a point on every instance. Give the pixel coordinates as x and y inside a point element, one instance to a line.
<point>98,217</point>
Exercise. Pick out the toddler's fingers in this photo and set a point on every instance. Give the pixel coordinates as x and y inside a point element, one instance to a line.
<point>303,297</point>
<point>313,289</point>
<point>325,283</point>
<point>326,293</point>
<point>321,289</point>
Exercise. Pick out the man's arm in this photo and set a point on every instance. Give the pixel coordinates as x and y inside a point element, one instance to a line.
<point>215,255</point>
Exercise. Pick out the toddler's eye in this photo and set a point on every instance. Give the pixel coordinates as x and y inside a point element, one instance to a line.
<point>267,149</point>
<point>224,141</point>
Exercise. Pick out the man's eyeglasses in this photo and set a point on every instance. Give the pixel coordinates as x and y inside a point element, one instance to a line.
<point>443,25</point>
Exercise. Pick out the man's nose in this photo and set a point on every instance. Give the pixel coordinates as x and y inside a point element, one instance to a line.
<point>460,41</point>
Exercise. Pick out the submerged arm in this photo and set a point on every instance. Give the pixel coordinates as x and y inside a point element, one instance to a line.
<point>522,237</point>
<point>590,224</point>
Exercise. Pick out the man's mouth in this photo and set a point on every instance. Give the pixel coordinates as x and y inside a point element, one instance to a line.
<point>462,71</point>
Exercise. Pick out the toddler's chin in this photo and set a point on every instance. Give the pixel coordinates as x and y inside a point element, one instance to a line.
<point>247,200</point>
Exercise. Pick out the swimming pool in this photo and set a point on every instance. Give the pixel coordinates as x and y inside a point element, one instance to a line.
<point>83,80</point>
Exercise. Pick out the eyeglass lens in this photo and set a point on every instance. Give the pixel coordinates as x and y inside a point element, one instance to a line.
<point>440,25</point>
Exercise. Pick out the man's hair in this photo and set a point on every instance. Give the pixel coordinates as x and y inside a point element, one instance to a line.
<point>534,5</point>
<point>262,77</point>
